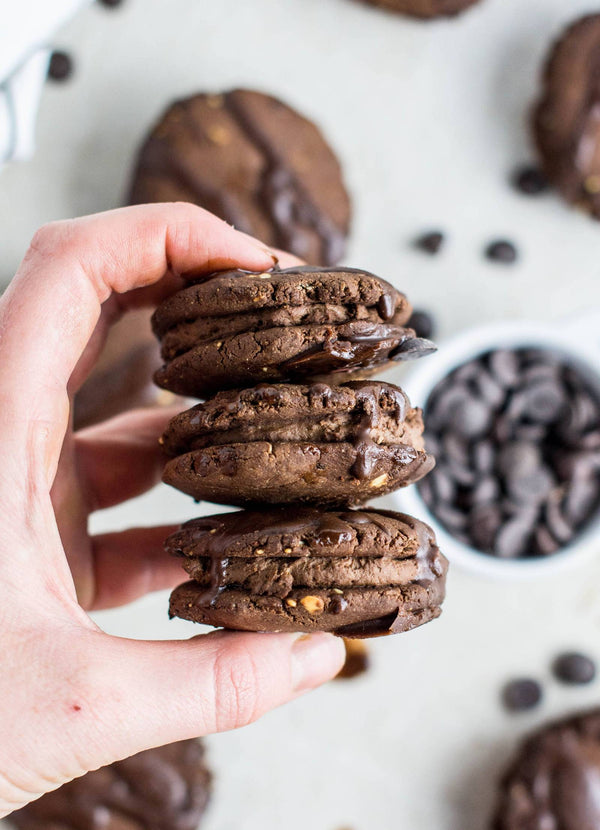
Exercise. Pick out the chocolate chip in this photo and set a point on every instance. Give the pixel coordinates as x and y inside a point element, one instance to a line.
<point>484,523</point>
<point>557,523</point>
<point>501,251</point>
<point>60,67</point>
<point>430,242</point>
<point>544,402</point>
<point>422,324</point>
<point>471,418</point>
<point>574,668</point>
<point>544,542</point>
<point>530,181</point>
<point>111,4</point>
<point>521,695</point>
<point>412,349</point>
<point>518,459</point>
<point>504,365</point>
<point>512,538</point>
<point>484,455</point>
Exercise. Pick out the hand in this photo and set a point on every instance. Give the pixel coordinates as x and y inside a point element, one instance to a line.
<point>74,698</point>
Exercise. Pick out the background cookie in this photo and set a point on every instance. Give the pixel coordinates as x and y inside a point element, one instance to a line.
<point>424,8</point>
<point>278,444</point>
<point>166,788</point>
<point>356,573</point>
<point>239,329</point>
<point>253,161</point>
<point>553,781</point>
<point>567,118</point>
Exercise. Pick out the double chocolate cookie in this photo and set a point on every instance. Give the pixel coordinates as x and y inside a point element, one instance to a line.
<point>555,780</point>
<point>166,788</point>
<point>567,118</point>
<point>253,161</point>
<point>240,329</point>
<point>357,574</point>
<point>314,443</point>
<point>425,8</point>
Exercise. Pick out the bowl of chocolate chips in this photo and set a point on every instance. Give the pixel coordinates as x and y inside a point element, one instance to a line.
<point>512,415</point>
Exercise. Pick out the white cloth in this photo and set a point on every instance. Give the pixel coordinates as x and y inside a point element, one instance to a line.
<point>26,29</point>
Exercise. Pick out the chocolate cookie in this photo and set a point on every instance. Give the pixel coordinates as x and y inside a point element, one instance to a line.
<point>256,163</point>
<point>425,8</point>
<point>162,789</point>
<point>327,445</point>
<point>358,574</point>
<point>567,118</point>
<point>239,329</point>
<point>554,781</point>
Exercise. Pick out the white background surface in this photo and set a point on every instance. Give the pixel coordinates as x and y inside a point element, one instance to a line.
<point>428,119</point>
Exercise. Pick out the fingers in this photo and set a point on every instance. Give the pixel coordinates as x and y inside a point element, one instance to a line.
<point>131,564</point>
<point>155,693</point>
<point>51,308</point>
<point>121,458</point>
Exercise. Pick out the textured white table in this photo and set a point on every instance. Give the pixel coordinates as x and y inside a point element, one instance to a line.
<point>429,120</point>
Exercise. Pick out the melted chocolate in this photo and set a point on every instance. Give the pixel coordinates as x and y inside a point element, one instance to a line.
<point>285,199</point>
<point>161,789</point>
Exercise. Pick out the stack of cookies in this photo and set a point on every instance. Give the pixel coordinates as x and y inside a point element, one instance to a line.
<point>292,430</point>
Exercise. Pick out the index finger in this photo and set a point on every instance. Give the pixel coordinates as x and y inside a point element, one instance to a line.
<point>50,310</point>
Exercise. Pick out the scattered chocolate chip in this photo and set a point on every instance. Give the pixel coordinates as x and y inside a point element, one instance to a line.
<point>431,242</point>
<point>357,660</point>
<point>530,181</point>
<point>422,324</point>
<point>111,4</point>
<point>501,251</point>
<point>516,435</point>
<point>521,695</point>
<point>574,668</point>
<point>60,67</point>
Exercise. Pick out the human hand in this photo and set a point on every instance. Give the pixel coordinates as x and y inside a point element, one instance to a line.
<point>73,697</point>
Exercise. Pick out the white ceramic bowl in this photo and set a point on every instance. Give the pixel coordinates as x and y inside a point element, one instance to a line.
<point>577,339</point>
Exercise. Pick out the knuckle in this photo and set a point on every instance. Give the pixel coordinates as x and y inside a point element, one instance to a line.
<point>237,682</point>
<point>51,238</point>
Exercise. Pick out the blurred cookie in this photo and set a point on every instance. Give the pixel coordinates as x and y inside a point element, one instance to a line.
<point>425,8</point>
<point>356,573</point>
<point>554,782</point>
<point>239,329</point>
<point>567,117</point>
<point>318,444</point>
<point>166,788</point>
<point>255,162</point>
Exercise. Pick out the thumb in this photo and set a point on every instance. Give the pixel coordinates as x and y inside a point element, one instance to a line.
<point>158,692</point>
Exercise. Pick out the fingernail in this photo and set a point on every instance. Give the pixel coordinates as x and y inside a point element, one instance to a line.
<point>316,658</point>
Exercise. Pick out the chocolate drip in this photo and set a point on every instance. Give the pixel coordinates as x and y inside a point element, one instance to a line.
<point>285,199</point>
<point>358,345</point>
<point>367,452</point>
